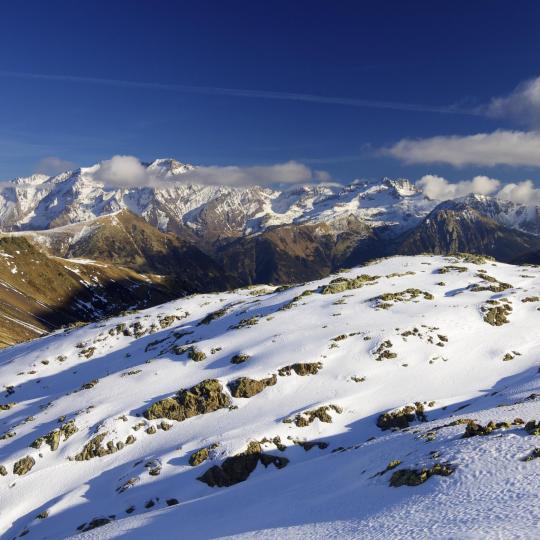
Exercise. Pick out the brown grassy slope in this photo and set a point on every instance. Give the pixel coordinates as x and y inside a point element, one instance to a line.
<point>40,292</point>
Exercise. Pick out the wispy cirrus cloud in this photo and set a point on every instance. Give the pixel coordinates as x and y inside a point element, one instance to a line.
<point>247,93</point>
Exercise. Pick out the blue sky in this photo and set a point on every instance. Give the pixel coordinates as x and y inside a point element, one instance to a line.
<point>333,85</point>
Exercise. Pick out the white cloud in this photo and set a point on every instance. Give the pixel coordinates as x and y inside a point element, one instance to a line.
<point>127,171</point>
<point>523,192</point>
<point>517,148</point>
<point>290,172</point>
<point>122,171</point>
<point>52,165</point>
<point>522,105</point>
<point>438,188</point>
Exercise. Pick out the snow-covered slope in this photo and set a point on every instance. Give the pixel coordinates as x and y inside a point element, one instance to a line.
<point>143,415</point>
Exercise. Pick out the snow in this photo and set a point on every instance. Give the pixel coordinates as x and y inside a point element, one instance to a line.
<point>41,202</point>
<point>321,492</point>
<point>75,197</point>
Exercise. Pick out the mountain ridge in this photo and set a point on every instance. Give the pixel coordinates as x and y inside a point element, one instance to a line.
<point>211,214</point>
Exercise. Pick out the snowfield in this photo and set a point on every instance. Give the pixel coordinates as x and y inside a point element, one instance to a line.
<point>396,400</point>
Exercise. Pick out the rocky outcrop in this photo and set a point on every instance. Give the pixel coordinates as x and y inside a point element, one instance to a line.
<point>24,465</point>
<point>302,369</point>
<point>415,477</point>
<point>237,468</point>
<point>203,398</point>
<point>244,387</point>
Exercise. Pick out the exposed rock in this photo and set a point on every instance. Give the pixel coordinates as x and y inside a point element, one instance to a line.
<point>415,477</point>
<point>24,465</point>
<point>167,320</point>
<point>245,323</point>
<point>497,315</point>
<point>128,484</point>
<point>7,406</point>
<point>213,316</point>
<point>384,352</point>
<point>88,352</point>
<point>402,417</point>
<point>94,524</point>
<point>237,468</point>
<point>201,455</point>
<point>451,268</point>
<point>93,448</point>
<point>130,439</point>
<point>203,398</point>
<point>307,417</point>
<point>245,387</point>
<point>532,427</point>
<point>472,429</point>
<point>402,296</point>
<point>342,284</point>
<point>196,355</point>
<point>535,454</point>
<point>301,369</point>
<point>495,287</point>
<point>308,445</point>
<point>165,426</point>
<point>240,358</point>
<point>276,441</point>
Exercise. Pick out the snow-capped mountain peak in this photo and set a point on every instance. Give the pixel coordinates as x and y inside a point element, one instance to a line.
<point>77,196</point>
<point>175,205</point>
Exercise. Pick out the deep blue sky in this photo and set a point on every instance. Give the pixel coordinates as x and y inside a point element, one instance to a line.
<point>428,53</point>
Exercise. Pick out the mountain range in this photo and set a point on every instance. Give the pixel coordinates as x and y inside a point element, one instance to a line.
<point>181,238</point>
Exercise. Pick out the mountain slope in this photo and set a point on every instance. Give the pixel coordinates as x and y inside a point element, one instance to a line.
<point>127,427</point>
<point>85,271</point>
<point>454,227</point>
<point>128,240</point>
<point>531,257</point>
<point>39,293</point>
<point>525,218</point>
<point>293,253</point>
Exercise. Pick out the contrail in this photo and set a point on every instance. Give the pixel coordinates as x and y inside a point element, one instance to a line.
<point>238,92</point>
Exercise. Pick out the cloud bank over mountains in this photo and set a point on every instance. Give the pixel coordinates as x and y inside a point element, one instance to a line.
<point>440,189</point>
<point>129,172</point>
